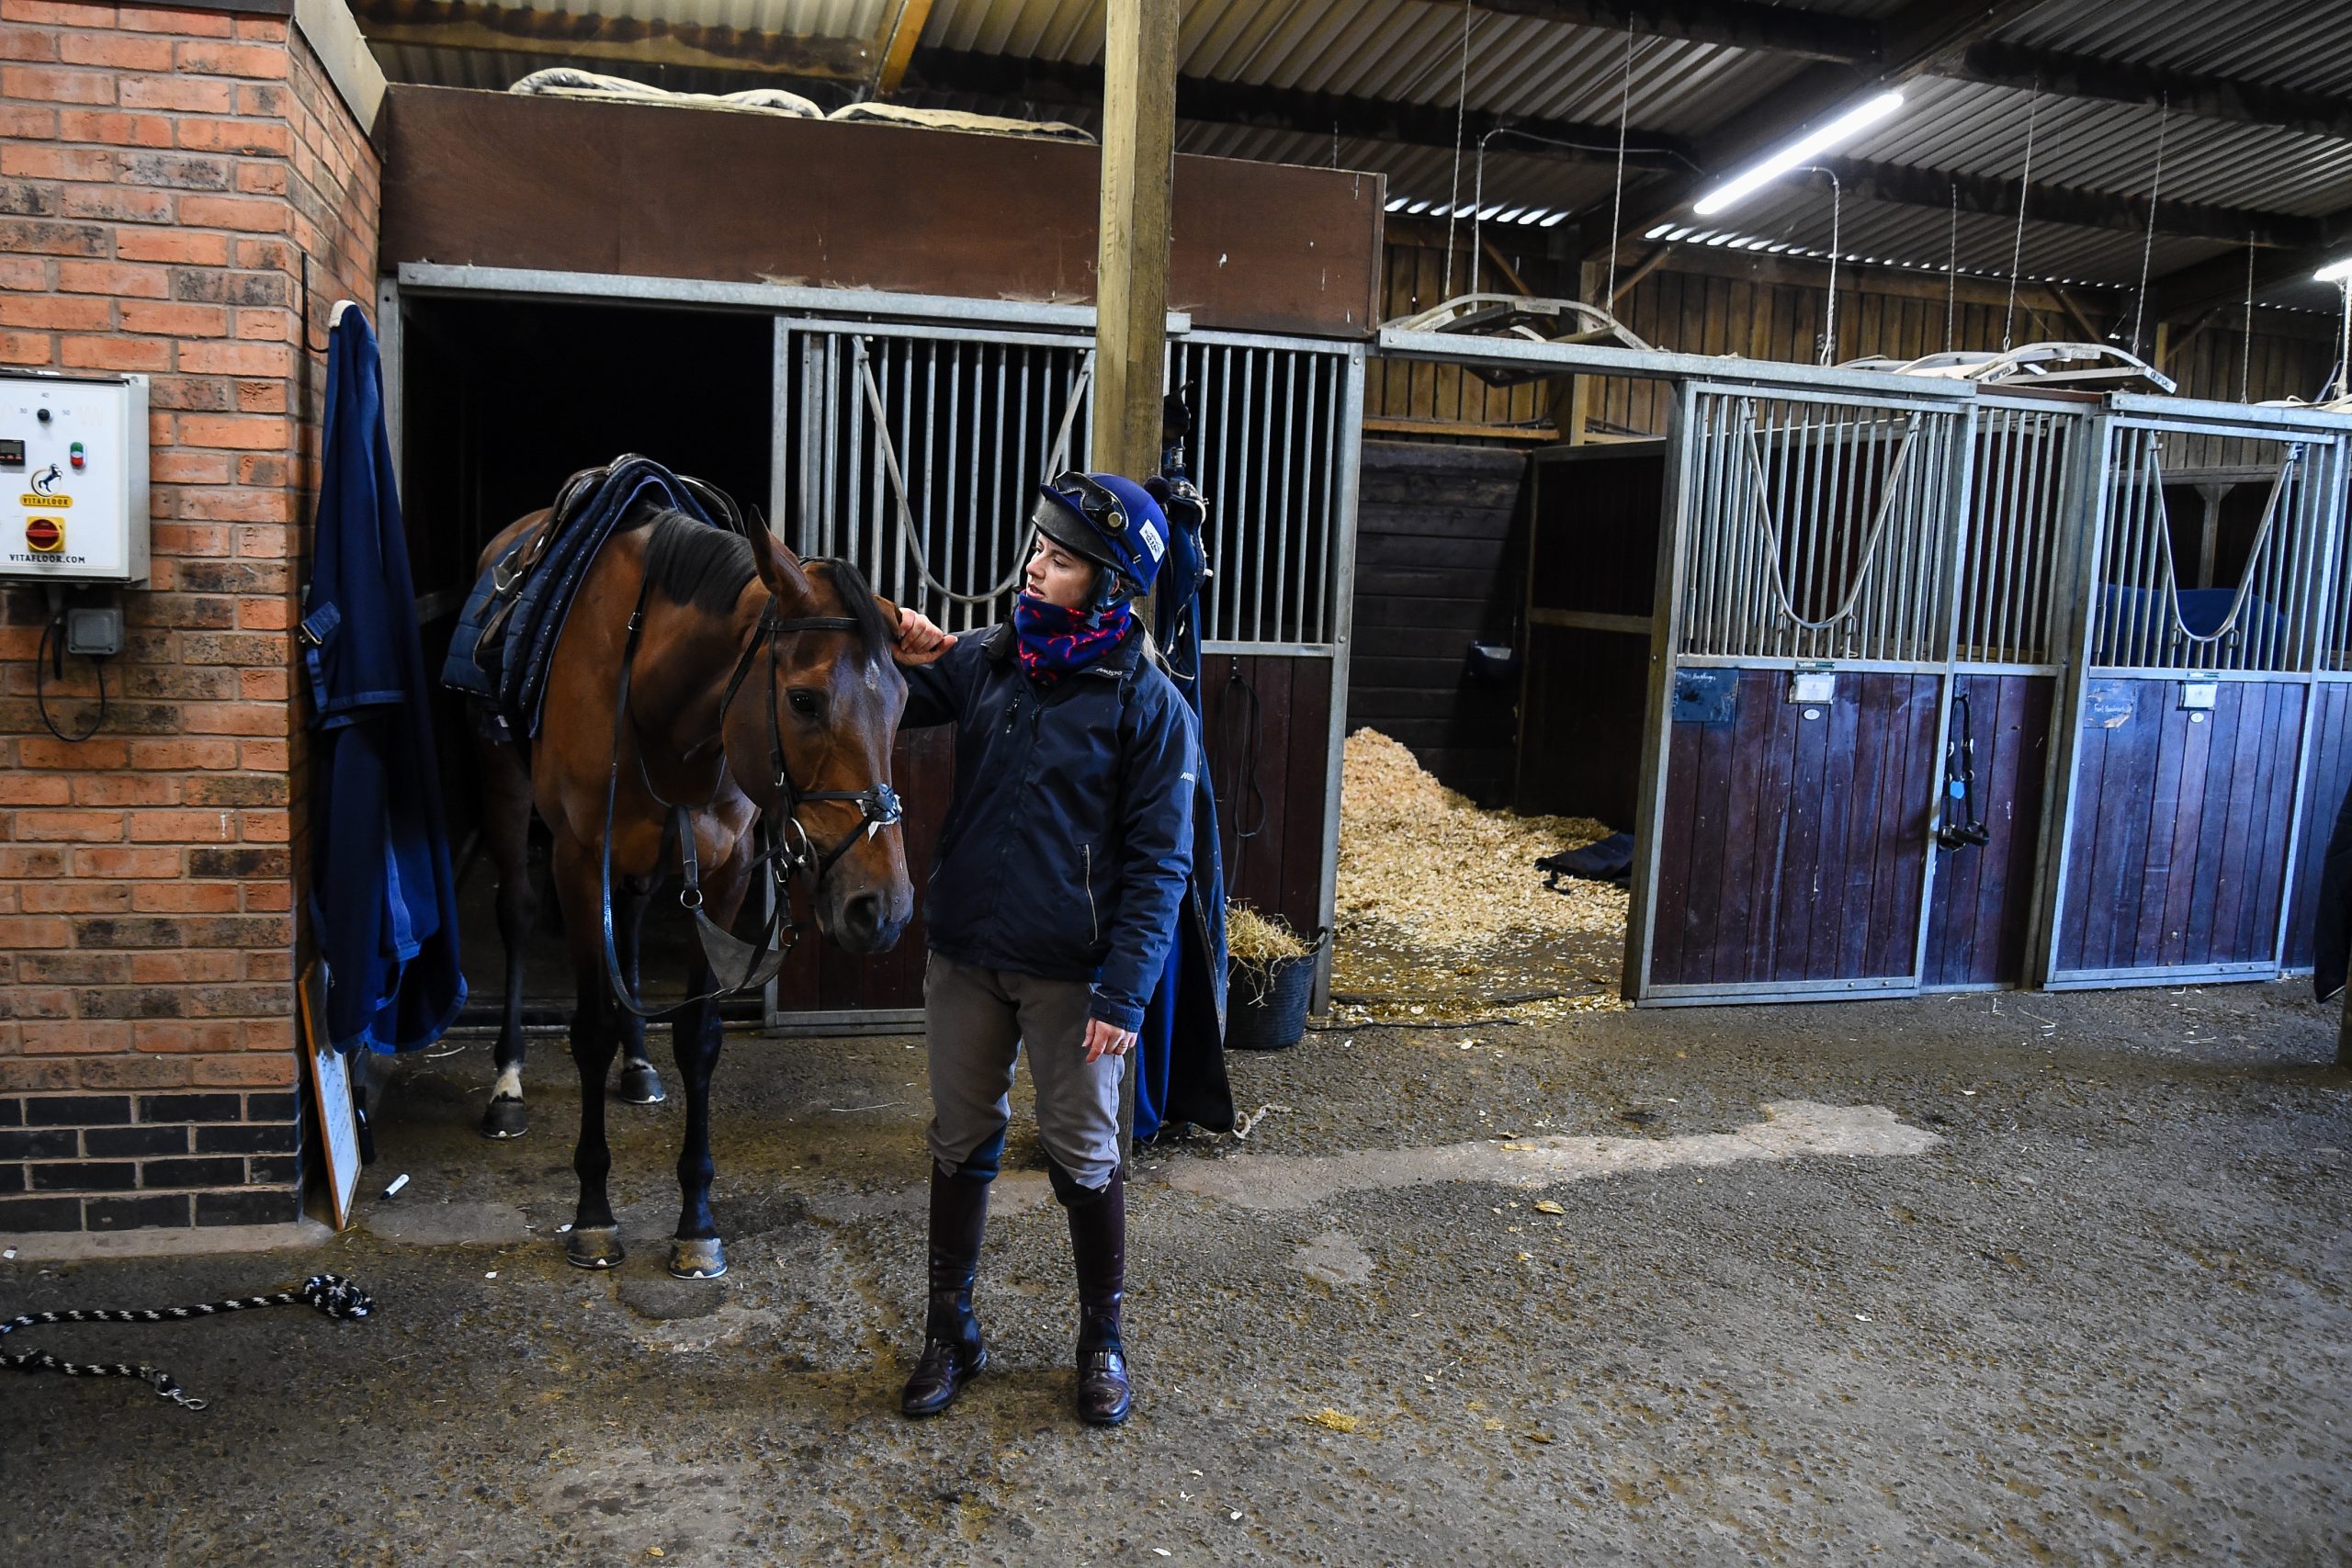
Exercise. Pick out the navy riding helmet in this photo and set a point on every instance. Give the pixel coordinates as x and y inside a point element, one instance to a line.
<point>1112,522</point>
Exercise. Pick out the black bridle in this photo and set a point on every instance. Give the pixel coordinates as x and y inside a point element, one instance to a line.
<point>794,851</point>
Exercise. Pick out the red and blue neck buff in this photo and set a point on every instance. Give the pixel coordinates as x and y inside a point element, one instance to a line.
<point>1055,641</point>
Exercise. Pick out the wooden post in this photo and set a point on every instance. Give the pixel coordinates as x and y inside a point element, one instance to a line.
<point>1131,282</point>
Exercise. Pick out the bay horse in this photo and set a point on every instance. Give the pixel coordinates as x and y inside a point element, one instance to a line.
<point>744,682</point>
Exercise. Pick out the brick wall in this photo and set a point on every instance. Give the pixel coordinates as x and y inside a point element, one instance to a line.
<point>164,174</point>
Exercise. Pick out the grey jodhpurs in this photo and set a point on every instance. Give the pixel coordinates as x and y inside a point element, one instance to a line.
<point>978,1021</point>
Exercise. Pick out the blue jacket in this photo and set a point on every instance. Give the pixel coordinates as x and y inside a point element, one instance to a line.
<point>1067,848</point>
<point>384,903</point>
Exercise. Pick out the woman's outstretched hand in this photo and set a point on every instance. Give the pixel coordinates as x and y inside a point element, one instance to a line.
<point>920,642</point>
<point>1103,1040</point>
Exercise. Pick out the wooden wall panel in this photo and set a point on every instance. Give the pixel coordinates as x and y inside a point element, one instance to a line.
<point>2330,777</point>
<point>1584,702</point>
<point>1596,525</point>
<point>2179,853</point>
<point>1439,554</point>
<point>1793,848</point>
<point>1980,909</point>
<point>498,180</point>
<point>1266,727</point>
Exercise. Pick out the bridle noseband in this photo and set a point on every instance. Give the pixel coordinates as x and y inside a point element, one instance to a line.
<point>879,807</point>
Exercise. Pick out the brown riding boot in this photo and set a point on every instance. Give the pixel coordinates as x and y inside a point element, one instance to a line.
<point>1098,1242</point>
<point>952,1352</point>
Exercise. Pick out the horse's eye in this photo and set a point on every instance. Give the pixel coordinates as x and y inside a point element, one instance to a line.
<point>805,703</point>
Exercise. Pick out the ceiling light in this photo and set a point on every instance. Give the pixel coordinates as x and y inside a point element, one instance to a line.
<point>1844,128</point>
<point>1659,232</point>
<point>1398,205</point>
<point>2335,272</point>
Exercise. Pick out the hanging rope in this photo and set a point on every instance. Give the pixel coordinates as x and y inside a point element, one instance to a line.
<point>2343,353</point>
<point>2017,253</point>
<point>2148,246</point>
<point>907,533</point>
<point>1776,576</point>
<point>2253,552</point>
<point>1617,197</point>
<point>1951,268</point>
<point>1836,216</point>
<point>1453,195</point>
<point>2245,351</point>
<point>330,1293</point>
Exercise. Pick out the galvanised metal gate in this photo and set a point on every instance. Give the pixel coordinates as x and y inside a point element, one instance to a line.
<point>1801,654</point>
<point>2190,729</point>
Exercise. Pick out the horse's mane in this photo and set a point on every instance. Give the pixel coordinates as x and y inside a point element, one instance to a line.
<point>706,568</point>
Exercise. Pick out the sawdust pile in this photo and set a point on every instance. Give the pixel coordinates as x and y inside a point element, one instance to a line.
<point>1442,912</point>
<point>1446,876</point>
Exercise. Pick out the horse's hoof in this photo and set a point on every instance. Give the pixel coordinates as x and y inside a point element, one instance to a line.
<point>640,1084</point>
<point>697,1258</point>
<point>594,1246</point>
<point>505,1117</point>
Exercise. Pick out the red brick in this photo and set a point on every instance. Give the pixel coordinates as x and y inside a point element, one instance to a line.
<point>76,898</point>
<point>260,397</point>
<point>262,179</point>
<point>126,862</point>
<point>265,325</point>
<point>28,122</point>
<point>182,827</point>
<point>32,236</point>
<point>190,539</point>
<point>269,898</point>
<point>268,544</point>
<point>77,1037</point>
<point>56,85</point>
<point>179,466</point>
<point>132,1072</point>
<point>262,469</point>
<point>28,43</point>
<point>23,271</point>
<point>32,1076</point>
<point>178,95</point>
<point>118,51</point>
<point>253,138</point>
<point>56,14</point>
<point>150,354</point>
<point>259,61</point>
<point>265,614</point>
<point>69,827</point>
<point>126,789</point>
<point>276,965</point>
<point>36,161</point>
<point>27,860</point>
<point>175,319</point>
<point>236,431</point>
<point>173,245</point>
<point>264,756</point>
<point>183,24</point>
<point>115,204</point>
<point>115,129</point>
<point>266,826</point>
<point>26,349</point>
<point>28,1002</point>
<point>178,1034</point>
<point>34,789</point>
<point>121,279</point>
<point>187,969</point>
<point>254,1070</point>
<point>262,29</point>
<point>41,751</point>
<point>186,897</point>
<point>252,215</point>
<point>21,933</point>
<point>58,313</point>
<point>176,754</point>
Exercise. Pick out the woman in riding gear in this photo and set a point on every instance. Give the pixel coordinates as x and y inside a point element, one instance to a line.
<point>1062,864</point>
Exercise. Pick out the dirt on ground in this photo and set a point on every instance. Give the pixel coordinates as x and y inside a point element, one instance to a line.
<point>1971,1279</point>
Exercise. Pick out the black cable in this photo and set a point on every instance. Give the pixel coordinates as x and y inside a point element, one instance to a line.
<point>1245,774</point>
<point>56,628</point>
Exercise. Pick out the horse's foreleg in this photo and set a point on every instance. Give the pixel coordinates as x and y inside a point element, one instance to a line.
<point>506,836</point>
<point>695,1035</point>
<point>640,1083</point>
<point>596,1239</point>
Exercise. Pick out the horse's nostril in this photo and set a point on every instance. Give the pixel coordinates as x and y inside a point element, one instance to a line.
<point>862,913</point>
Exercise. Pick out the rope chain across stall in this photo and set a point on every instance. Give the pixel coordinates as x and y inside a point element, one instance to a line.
<point>329,1293</point>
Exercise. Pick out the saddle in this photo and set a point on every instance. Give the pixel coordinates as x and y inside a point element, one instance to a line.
<point>507,631</point>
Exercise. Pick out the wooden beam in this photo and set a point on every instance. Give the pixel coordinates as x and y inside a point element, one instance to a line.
<point>2083,323</point>
<point>1131,286</point>
<point>566,35</point>
<point>1740,24</point>
<point>1914,187</point>
<point>2187,92</point>
<point>2221,279</point>
<point>897,46</point>
<point>1064,83</point>
<point>1913,41</point>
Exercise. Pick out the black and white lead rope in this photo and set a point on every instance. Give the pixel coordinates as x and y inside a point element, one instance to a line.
<point>330,1293</point>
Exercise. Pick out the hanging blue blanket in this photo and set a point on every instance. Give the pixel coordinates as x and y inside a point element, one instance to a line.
<point>501,658</point>
<point>2135,633</point>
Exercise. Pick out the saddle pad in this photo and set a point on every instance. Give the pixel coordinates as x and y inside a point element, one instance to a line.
<point>501,661</point>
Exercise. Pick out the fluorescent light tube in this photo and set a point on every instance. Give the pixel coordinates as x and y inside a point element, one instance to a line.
<point>2335,272</point>
<point>1844,128</point>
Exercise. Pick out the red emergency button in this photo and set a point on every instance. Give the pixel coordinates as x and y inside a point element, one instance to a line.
<point>44,536</point>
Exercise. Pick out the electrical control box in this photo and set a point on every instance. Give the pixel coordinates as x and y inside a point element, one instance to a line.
<point>72,477</point>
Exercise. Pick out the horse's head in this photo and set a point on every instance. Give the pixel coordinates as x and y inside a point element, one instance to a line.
<point>828,700</point>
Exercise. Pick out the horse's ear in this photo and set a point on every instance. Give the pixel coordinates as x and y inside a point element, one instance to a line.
<point>786,579</point>
<point>891,613</point>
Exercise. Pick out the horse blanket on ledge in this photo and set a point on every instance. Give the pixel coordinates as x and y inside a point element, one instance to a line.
<point>506,633</point>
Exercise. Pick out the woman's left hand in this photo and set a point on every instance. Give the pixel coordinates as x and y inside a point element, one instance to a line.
<point>1103,1040</point>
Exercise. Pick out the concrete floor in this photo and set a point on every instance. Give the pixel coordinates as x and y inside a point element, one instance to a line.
<point>1994,1279</point>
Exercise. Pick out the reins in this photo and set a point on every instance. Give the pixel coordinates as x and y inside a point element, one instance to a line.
<point>878,807</point>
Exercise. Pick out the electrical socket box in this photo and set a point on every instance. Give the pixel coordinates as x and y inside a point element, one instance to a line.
<point>72,477</point>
